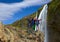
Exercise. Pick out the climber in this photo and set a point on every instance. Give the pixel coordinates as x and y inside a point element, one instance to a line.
<point>37,23</point>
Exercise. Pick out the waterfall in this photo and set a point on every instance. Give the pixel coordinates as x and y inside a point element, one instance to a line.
<point>43,22</point>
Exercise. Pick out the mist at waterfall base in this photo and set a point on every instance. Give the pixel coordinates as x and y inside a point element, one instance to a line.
<point>43,22</point>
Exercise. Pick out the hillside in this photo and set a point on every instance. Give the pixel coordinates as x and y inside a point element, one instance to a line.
<point>12,34</point>
<point>23,22</point>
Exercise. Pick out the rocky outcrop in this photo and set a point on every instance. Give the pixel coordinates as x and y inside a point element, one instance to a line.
<point>3,36</point>
<point>11,34</point>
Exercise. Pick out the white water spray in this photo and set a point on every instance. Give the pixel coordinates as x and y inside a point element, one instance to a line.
<point>43,22</point>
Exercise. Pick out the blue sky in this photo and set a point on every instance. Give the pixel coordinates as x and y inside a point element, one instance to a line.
<point>10,1</point>
<point>12,10</point>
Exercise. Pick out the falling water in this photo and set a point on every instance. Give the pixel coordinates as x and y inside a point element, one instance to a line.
<point>43,22</point>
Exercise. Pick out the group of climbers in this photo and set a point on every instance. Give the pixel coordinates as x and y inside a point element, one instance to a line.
<point>32,22</point>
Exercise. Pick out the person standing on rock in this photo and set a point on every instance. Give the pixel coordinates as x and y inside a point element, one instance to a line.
<point>36,24</point>
<point>33,24</point>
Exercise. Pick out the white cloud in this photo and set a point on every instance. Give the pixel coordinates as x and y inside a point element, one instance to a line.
<point>7,10</point>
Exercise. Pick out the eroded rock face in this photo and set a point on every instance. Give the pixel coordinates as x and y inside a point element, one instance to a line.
<point>3,36</point>
<point>14,35</point>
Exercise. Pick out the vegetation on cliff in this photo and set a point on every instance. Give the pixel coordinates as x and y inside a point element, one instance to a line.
<point>54,21</point>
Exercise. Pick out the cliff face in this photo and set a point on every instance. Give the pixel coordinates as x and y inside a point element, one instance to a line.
<point>54,21</point>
